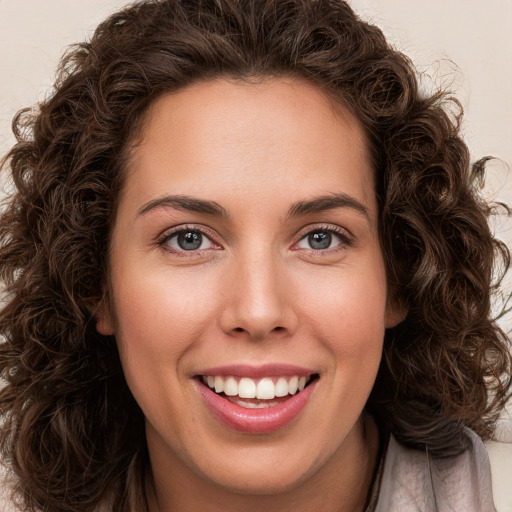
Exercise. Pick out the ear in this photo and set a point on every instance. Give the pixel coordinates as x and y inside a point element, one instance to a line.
<point>396,309</point>
<point>104,322</point>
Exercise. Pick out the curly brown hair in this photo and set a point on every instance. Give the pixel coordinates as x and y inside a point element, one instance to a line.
<point>71,431</point>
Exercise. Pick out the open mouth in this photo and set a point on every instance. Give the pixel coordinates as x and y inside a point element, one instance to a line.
<point>257,393</point>
<point>256,400</point>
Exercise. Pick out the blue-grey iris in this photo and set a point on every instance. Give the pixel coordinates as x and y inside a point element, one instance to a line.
<point>320,240</point>
<point>190,240</point>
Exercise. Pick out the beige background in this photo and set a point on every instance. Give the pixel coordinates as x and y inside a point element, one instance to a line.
<point>463,45</point>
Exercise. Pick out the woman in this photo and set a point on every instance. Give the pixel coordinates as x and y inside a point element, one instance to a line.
<point>234,275</point>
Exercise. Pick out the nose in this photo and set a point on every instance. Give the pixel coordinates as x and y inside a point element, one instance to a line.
<point>259,301</point>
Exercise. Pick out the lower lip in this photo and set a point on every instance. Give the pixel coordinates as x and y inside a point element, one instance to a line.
<point>256,421</point>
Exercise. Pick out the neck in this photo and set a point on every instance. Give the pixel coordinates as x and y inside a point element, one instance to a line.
<point>342,484</point>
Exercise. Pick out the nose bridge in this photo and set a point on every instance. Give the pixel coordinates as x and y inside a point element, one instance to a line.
<point>257,292</point>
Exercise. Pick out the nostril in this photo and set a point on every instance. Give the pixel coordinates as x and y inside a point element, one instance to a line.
<point>275,329</point>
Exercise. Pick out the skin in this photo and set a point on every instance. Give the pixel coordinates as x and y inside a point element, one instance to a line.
<point>254,293</point>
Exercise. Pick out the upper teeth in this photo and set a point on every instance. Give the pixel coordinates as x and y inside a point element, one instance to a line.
<point>266,388</point>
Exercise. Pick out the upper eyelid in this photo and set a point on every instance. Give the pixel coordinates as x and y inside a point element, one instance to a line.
<point>168,233</point>
<point>208,232</point>
<point>345,236</point>
<point>332,228</point>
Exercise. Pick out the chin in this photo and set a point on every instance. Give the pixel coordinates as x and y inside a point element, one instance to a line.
<point>263,481</point>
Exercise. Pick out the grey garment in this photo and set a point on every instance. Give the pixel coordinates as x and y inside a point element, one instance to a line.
<point>413,481</point>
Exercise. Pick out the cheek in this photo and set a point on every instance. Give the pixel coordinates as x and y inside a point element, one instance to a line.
<point>349,307</point>
<point>159,321</point>
<point>159,317</point>
<point>347,314</point>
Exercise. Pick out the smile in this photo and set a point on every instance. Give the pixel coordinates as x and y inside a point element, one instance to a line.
<point>266,388</point>
<point>256,404</point>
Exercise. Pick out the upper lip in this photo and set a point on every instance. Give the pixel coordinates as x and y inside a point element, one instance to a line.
<point>257,371</point>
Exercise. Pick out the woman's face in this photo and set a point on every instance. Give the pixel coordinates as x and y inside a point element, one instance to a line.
<point>245,257</point>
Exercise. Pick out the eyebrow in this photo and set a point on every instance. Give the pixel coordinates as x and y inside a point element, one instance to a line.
<point>325,203</point>
<point>305,207</point>
<point>185,203</point>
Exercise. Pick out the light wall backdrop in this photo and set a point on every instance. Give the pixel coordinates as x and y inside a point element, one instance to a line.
<point>462,45</point>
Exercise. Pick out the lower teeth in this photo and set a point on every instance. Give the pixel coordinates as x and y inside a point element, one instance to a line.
<point>253,405</point>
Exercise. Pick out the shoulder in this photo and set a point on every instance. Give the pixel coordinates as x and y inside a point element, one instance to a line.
<point>414,481</point>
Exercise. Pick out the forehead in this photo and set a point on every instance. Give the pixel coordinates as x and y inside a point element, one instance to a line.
<point>219,136</point>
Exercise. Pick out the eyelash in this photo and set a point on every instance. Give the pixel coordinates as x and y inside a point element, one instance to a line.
<point>346,240</point>
<point>163,241</point>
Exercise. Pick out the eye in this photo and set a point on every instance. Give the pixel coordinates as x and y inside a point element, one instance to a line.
<point>187,240</point>
<point>319,240</point>
<point>322,239</point>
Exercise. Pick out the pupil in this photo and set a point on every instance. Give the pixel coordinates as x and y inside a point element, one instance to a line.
<point>190,240</point>
<point>320,240</point>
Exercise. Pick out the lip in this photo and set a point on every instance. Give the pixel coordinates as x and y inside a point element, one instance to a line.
<point>257,372</point>
<point>256,421</point>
